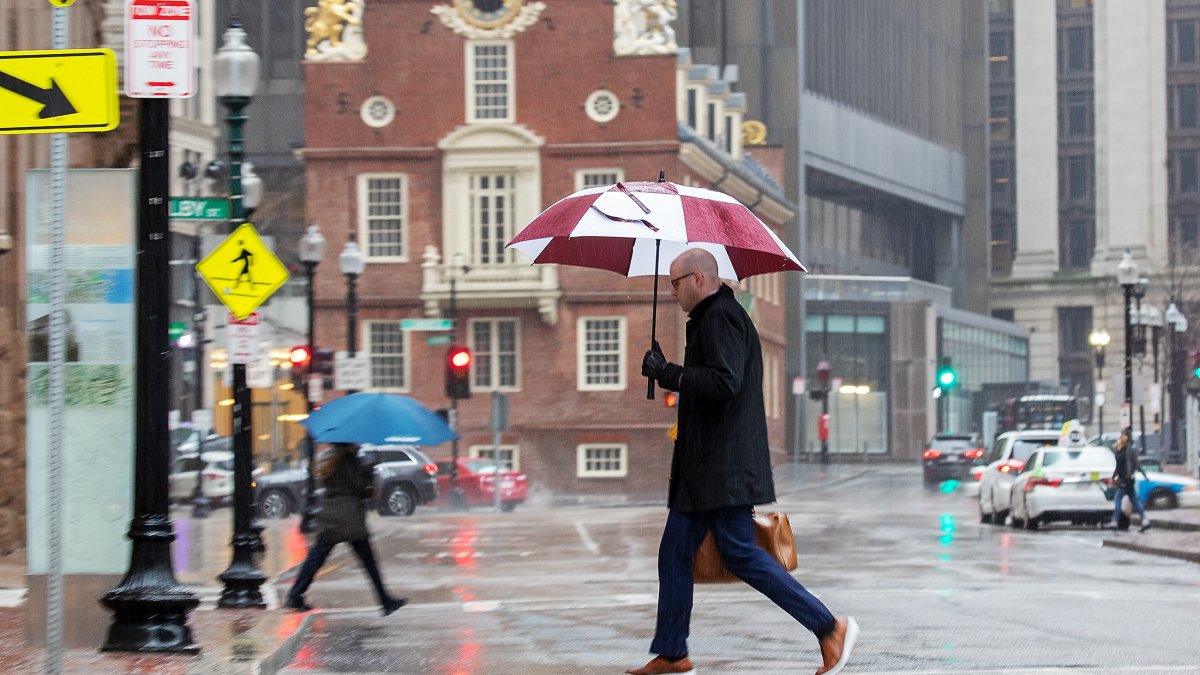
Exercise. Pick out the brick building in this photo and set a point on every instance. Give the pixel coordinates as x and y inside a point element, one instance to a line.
<point>462,124</point>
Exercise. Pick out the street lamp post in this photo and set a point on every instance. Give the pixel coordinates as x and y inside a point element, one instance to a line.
<point>1099,339</point>
<point>312,248</point>
<point>1127,275</point>
<point>1139,292</point>
<point>458,499</point>
<point>1153,319</point>
<point>352,263</point>
<point>1175,374</point>
<point>235,79</point>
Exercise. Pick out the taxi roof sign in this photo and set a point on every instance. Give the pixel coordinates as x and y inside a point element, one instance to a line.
<point>242,271</point>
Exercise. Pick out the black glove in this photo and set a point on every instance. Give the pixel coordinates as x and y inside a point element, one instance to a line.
<point>653,362</point>
<point>655,365</point>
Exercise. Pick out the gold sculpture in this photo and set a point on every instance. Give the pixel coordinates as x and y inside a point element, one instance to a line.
<point>326,22</point>
<point>754,133</point>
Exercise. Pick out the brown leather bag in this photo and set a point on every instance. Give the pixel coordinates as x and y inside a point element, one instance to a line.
<point>772,533</point>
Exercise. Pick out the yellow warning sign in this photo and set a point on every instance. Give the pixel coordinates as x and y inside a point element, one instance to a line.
<point>242,271</point>
<point>66,90</point>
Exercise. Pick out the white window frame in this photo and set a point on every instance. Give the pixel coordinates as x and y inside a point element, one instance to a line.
<point>364,217</point>
<point>508,82</point>
<point>581,461</point>
<point>511,227</point>
<point>510,455</point>
<point>582,352</point>
<point>581,176</point>
<point>494,321</point>
<point>406,360</point>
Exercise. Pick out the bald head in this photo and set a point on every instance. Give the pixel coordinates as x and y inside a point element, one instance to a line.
<point>694,277</point>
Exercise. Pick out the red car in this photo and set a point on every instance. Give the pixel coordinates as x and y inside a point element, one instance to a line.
<point>477,477</point>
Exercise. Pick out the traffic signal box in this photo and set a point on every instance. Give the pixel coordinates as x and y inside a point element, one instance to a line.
<point>300,358</point>
<point>458,372</point>
<point>947,377</point>
<point>323,366</point>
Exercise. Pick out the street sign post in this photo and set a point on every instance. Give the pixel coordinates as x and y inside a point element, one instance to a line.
<point>425,324</point>
<point>198,208</point>
<point>242,271</point>
<point>56,91</point>
<point>160,49</point>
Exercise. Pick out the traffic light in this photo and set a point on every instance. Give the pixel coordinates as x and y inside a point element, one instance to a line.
<point>947,378</point>
<point>671,399</point>
<point>1196,364</point>
<point>323,365</point>
<point>300,357</point>
<point>458,372</point>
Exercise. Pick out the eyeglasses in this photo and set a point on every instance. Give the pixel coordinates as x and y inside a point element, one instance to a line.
<point>676,280</point>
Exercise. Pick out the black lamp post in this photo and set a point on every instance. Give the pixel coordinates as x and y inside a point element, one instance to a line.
<point>1175,375</point>
<point>235,79</point>
<point>458,498</point>
<point>351,263</point>
<point>312,248</point>
<point>149,606</point>
<point>1099,339</point>
<point>1153,320</point>
<point>1127,275</point>
<point>1139,292</point>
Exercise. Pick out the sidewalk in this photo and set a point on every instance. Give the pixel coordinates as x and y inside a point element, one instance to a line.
<point>231,641</point>
<point>1173,534</point>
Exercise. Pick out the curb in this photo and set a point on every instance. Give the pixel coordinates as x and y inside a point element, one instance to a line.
<point>1176,525</point>
<point>288,648</point>
<point>1190,556</point>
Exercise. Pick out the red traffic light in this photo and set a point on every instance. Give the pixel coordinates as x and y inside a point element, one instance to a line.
<point>300,356</point>
<point>460,357</point>
<point>671,399</point>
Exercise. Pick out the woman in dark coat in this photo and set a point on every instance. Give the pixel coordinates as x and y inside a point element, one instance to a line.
<point>1123,476</point>
<point>342,518</point>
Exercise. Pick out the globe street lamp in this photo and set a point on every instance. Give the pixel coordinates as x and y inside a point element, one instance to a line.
<point>1175,371</point>
<point>351,262</point>
<point>235,80</point>
<point>1099,339</point>
<point>312,248</point>
<point>1127,276</point>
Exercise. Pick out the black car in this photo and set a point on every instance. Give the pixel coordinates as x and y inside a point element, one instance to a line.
<point>950,456</point>
<point>403,478</point>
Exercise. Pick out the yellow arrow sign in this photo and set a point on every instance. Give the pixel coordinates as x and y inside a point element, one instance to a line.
<point>242,271</point>
<point>64,90</point>
<point>61,3</point>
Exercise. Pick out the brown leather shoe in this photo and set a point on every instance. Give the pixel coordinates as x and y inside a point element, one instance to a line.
<point>658,666</point>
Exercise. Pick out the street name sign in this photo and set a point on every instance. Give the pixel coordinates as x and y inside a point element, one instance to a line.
<point>198,208</point>
<point>58,91</point>
<point>242,271</point>
<point>160,48</point>
<point>425,324</point>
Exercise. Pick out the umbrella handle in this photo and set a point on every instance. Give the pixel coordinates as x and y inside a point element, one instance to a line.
<point>653,318</point>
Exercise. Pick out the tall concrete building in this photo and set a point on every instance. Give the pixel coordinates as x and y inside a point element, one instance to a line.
<point>879,108</point>
<point>1094,136</point>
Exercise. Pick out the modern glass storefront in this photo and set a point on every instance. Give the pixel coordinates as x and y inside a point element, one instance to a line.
<point>856,347</point>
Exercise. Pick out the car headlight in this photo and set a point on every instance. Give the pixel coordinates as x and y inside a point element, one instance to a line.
<point>1191,488</point>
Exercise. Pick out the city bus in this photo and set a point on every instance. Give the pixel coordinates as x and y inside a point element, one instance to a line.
<point>1037,411</point>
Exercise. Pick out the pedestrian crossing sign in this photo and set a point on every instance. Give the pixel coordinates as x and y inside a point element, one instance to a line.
<point>242,271</point>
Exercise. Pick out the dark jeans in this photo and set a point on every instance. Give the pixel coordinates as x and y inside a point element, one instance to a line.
<point>319,550</point>
<point>733,529</point>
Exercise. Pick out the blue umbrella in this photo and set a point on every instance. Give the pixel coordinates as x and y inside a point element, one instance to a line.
<point>379,419</point>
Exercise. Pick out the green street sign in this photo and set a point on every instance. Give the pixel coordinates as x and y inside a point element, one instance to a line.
<point>436,340</point>
<point>424,324</point>
<point>199,208</point>
<point>176,330</point>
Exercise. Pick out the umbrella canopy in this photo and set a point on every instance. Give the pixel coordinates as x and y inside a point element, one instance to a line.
<point>379,419</point>
<point>619,227</point>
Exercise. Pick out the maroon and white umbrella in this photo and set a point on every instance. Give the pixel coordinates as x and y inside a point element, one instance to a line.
<point>639,228</point>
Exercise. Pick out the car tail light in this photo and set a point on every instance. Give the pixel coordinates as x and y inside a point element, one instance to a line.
<point>431,469</point>
<point>931,454</point>
<point>213,476</point>
<point>1011,465</point>
<point>973,454</point>
<point>1040,480</point>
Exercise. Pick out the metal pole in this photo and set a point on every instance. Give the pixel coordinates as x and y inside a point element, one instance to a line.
<point>1128,355</point>
<point>307,521</point>
<point>351,316</point>
<point>1178,374</point>
<point>199,501</point>
<point>496,447</point>
<point>242,578</point>
<point>1100,376</point>
<point>458,501</point>
<point>1141,361</point>
<point>149,606</point>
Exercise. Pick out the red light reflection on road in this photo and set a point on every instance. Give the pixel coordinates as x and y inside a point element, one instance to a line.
<point>462,546</point>
<point>1006,543</point>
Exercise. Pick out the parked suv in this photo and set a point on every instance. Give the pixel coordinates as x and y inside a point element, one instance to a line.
<point>404,477</point>
<point>950,456</point>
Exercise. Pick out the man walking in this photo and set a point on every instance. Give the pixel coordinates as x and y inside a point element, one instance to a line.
<point>720,470</point>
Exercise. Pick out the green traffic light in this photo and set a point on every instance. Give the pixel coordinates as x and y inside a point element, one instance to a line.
<point>946,378</point>
<point>1196,372</point>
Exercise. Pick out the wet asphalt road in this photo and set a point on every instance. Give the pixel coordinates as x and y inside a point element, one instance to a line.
<point>572,590</point>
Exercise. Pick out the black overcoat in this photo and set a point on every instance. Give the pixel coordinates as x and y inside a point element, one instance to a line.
<point>721,456</point>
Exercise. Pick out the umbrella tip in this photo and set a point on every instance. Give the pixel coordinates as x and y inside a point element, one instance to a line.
<point>662,176</point>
